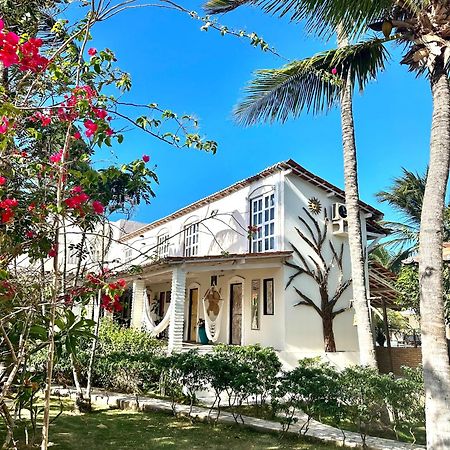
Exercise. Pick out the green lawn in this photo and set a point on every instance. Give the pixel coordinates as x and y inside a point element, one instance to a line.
<point>117,429</point>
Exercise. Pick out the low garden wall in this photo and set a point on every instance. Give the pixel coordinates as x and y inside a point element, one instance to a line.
<point>401,356</point>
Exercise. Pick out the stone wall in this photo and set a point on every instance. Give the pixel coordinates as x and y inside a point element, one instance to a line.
<point>401,356</point>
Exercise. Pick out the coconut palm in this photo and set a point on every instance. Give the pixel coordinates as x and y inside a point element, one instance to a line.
<point>423,27</point>
<point>317,84</point>
<point>405,195</point>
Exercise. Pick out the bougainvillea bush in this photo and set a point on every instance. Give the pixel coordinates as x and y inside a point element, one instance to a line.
<point>59,105</point>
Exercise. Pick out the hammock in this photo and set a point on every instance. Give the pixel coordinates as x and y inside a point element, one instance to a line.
<point>149,323</point>
<point>212,327</point>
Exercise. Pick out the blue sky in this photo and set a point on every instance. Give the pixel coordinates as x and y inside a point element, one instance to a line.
<point>179,67</point>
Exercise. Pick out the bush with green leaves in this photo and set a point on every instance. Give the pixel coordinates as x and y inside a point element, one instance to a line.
<point>187,371</point>
<point>128,360</point>
<point>312,388</point>
<point>263,361</point>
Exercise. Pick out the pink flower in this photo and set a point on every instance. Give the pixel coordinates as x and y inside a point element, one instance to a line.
<point>98,207</point>
<point>145,158</point>
<point>334,71</point>
<point>77,190</point>
<point>56,158</point>
<point>92,51</point>
<point>12,38</point>
<point>100,113</point>
<point>9,203</point>
<point>91,127</point>
<point>2,24</point>
<point>77,135</point>
<point>4,125</point>
<point>2,181</point>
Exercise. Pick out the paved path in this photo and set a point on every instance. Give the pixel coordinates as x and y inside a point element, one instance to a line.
<point>317,430</point>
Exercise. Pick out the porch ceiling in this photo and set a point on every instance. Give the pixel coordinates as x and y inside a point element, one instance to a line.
<point>161,270</point>
<point>382,286</point>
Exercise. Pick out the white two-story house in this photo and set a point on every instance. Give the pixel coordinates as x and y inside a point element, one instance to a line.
<point>264,261</point>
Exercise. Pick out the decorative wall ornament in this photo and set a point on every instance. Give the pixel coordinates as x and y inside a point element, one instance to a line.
<point>314,205</point>
<point>320,268</point>
<point>255,296</point>
<point>268,297</point>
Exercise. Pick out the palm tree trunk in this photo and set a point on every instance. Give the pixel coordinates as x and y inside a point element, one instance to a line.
<point>435,359</point>
<point>360,301</point>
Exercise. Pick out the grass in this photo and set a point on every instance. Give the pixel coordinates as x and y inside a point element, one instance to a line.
<point>120,430</point>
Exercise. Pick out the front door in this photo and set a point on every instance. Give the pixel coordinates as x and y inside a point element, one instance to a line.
<point>193,309</point>
<point>236,313</point>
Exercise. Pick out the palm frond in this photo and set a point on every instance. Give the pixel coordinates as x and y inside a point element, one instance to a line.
<point>321,16</point>
<point>406,195</point>
<point>276,94</point>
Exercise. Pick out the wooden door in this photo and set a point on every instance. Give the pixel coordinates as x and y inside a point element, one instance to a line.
<point>193,310</point>
<point>236,313</point>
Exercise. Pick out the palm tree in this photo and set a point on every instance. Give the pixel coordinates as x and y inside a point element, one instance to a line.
<point>423,28</point>
<point>310,84</point>
<point>405,195</point>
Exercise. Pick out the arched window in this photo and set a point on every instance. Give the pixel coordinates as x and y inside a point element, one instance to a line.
<point>162,242</point>
<point>191,239</point>
<point>262,222</point>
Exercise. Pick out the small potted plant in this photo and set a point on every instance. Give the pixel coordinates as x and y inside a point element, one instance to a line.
<point>201,327</point>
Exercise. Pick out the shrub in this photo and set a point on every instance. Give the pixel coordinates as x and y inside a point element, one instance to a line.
<point>127,360</point>
<point>188,372</point>
<point>312,387</point>
<point>263,362</point>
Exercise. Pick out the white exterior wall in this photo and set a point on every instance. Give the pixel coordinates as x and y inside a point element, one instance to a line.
<point>303,325</point>
<point>225,232</point>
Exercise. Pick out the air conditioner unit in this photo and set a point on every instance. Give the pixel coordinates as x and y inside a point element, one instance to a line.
<point>338,212</point>
<point>340,227</point>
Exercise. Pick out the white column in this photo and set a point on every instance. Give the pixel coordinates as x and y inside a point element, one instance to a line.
<point>177,316</point>
<point>137,303</point>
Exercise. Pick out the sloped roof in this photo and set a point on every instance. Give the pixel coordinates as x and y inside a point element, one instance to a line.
<point>290,164</point>
<point>382,286</point>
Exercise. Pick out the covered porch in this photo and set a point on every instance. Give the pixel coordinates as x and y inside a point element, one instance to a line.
<point>390,357</point>
<point>238,297</point>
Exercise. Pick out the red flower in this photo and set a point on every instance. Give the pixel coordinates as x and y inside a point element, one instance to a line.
<point>7,215</point>
<point>30,234</point>
<point>100,113</point>
<point>77,135</point>
<point>121,282</point>
<point>334,71</point>
<point>52,252</point>
<point>98,207</point>
<point>91,127</point>
<point>145,158</point>
<point>109,132</point>
<point>92,51</point>
<point>9,203</point>
<point>4,124</point>
<point>56,158</point>
<point>2,181</point>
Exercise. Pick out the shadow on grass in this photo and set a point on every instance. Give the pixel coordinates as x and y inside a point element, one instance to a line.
<point>117,429</point>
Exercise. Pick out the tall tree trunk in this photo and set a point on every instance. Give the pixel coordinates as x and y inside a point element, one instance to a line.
<point>435,359</point>
<point>357,259</point>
